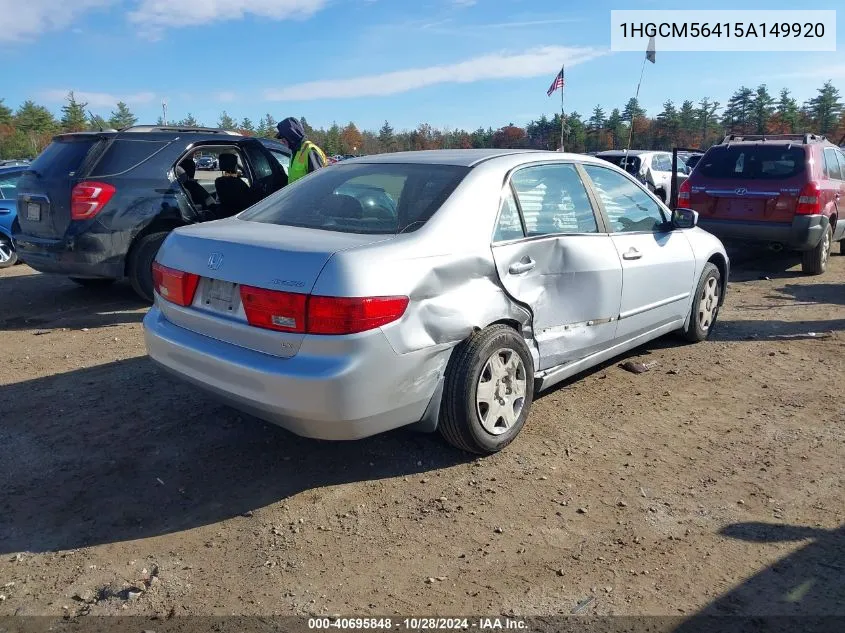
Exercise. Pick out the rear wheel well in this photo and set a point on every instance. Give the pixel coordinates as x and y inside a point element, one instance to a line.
<point>719,262</point>
<point>156,226</point>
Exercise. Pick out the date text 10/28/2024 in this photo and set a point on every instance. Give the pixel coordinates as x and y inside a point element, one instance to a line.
<point>419,624</point>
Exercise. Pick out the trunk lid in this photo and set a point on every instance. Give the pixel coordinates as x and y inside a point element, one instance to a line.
<point>44,191</point>
<point>232,252</point>
<point>749,182</point>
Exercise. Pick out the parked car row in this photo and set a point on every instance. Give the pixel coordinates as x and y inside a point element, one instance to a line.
<point>474,293</point>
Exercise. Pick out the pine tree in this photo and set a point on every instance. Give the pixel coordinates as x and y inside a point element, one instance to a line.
<point>596,123</point>
<point>632,110</point>
<point>267,127</point>
<point>5,114</point>
<point>706,114</point>
<point>97,122</point>
<point>615,127</point>
<point>687,124</point>
<point>225,122</point>
<point>74,118</point>
<point>189,121</point>
<point>763,108</point>
<point>824,109</point>
<point>668,124</point>
<point>385,138</point>
<point>122,117</point>
<point>247,126</point>
<point>739,113</point>
<point>787,113</point>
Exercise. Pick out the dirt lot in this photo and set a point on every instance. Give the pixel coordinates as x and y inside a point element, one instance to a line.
<point>712,483</point>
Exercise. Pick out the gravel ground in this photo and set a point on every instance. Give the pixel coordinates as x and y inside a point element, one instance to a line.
<point>711,484</point>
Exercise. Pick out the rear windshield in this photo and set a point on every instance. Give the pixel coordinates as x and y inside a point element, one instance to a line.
<point>756,162</point>
<point>633,164</point>
<point>365,198</point>
<point>62,157</point>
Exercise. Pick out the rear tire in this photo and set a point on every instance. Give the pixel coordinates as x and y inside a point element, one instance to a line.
<point>488,391</point>
<point>842,246</point>
<point>94,284</point>
<point>814,262</point>
<point>140,265</point>
<point>8,254</point>
<point>705,305</point>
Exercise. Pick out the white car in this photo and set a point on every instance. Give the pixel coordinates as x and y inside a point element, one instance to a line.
<point>653,169</point>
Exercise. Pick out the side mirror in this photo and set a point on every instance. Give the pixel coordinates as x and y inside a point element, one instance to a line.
<point>684,218</point>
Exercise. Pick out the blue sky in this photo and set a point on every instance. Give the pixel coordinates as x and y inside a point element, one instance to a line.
<point>451,63</point>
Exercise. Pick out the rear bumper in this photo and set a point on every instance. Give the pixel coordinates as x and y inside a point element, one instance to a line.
<point>84,255</point>
<point>359,388</point>
<point>802,234</point>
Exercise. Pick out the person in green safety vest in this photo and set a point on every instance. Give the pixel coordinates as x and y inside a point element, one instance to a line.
<point>305,155</point>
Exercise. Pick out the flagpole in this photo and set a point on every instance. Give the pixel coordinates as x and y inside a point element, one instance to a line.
<point>636,98</point>
<point>562,91</point>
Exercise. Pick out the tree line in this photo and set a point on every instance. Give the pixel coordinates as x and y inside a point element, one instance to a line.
<point>27,130</point>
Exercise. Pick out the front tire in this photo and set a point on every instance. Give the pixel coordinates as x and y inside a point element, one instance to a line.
<point>8,254</point>
<point>814,262</point>
<point>488,391</point>
<point>705,305</point>
<point>140,268</point>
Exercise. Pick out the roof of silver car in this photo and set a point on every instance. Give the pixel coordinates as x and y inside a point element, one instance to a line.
<point>462,157</point>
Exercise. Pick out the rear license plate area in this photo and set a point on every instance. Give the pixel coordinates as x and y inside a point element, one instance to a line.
<point>33,212</point>
<point>219,295</point>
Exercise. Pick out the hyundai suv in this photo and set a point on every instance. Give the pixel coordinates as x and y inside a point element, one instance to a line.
<point>785,190</point>
<point>96,206</point>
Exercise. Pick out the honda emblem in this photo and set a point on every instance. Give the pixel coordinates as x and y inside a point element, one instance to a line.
<point>215,261</point>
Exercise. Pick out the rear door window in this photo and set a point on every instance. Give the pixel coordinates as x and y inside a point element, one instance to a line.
<point>661,162</point>
<point>370,198</point>
<point>755,162</point>
<point>840,156</point>
<point>124,154</point>
<point>553,199</point>
<point>64,157</point>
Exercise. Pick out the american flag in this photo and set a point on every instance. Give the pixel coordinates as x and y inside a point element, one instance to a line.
<point>557,83</point>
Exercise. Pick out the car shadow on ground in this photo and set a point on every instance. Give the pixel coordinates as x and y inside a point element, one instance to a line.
<point>800,592</point>
<point>751,262</point>
<point>829,293</point>
<point>775,329</point>
<point>120,451</point>
<point>51,301</point>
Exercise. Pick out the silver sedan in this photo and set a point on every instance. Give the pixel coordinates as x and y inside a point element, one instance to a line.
<point>438,289</point>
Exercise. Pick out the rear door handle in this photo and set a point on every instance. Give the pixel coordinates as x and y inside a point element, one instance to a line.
<point>522,267</point>
<point>632,253</point>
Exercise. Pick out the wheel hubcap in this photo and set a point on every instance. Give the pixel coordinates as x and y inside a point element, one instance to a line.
<point>5,251</point>
<point>825,247</point>
<point>708,304</point>
<point>500,396</point>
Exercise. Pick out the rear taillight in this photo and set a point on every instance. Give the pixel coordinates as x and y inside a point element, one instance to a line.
<point>292,312</point>
<point>348,315</point>
<point>809,200</point>
<point>683,195</point>
<point>174,285</point>
<point>88,198</point>
<point>274,310</point>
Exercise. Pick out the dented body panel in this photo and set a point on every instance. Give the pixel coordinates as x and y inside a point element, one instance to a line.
<point>570,304</point>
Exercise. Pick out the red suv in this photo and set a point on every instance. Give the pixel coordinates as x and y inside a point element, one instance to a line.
<point>787,190</point>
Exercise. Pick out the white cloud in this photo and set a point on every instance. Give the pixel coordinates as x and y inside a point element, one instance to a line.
<point>226,96</point>
<point>530,63</point>
<point>464,3</point>
<point>153,16</point>
<point>98,99</point>
<point>25,19</point>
